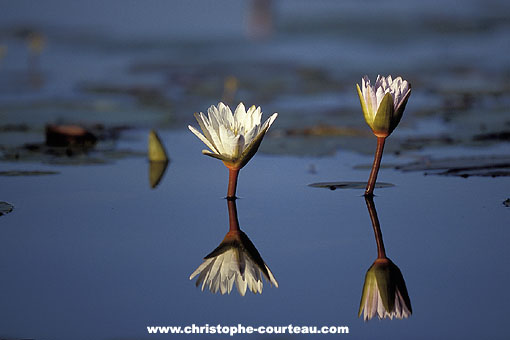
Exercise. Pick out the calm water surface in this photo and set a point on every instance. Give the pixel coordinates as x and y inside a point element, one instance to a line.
<point>94,252</point>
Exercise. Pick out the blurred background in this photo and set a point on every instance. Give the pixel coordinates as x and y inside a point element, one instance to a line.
<point>155,63</point>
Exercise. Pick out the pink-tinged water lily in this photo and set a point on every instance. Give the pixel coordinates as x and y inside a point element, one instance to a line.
<point>232,138</point>
<point>383,104</point>
<point>234,261</point>
<point>384,292</point>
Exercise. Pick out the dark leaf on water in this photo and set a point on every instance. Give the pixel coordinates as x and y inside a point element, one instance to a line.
<point>5,208</point>
<point>485,166</point>
<point>348,185</point>
<point>27,173</point>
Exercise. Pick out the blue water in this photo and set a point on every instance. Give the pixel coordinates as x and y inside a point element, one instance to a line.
<point>93,252</point>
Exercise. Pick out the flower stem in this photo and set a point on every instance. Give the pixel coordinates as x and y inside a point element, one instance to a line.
<point>232,183</point>
<point>232,215</point>
<point>381,252</point>
<point>369,191</point>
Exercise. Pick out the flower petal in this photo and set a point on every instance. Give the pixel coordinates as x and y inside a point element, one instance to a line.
<point>202,138</point>
<point>382,120</point>
<point>240,115</point>
<point>206,127</point>
<point>229,141</point>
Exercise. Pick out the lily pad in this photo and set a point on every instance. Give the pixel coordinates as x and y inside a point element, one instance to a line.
<point>369,166</point>
<point>14,173</point>
<point>5,208</point>
<point>348,185</point>
<point>40,153</point>
<point>485,166</point>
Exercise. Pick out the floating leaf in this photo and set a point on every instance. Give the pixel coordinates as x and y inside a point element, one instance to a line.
<point>348,185</point>
<point>27,173</point>
<point>5,208</point>
<point>485,166</point>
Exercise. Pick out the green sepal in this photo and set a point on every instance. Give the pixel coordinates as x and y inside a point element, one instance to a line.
<point>251,150</point>
<point>386,285</point>
<point>217,156</point>
<point>384,115</point>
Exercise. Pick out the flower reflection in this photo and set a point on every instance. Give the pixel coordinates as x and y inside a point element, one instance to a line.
<point>234,261</point>
<point>384,292</point>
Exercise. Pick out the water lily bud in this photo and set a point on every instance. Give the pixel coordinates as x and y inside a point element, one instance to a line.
<point>383,104</point>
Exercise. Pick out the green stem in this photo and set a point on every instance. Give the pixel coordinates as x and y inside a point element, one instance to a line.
<point>369,191</point>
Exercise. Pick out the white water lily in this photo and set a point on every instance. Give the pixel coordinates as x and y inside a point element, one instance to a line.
<point>235,260</point>
<point>384,292</point>
<point>383,104</point>
<point>232,138</point>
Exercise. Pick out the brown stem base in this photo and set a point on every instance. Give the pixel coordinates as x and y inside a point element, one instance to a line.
<point>232,183</point>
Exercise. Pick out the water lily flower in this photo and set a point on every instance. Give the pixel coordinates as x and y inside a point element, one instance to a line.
<point>232,138</point>
<point>235,260</point>
<point>384,292</point>
<point>383,105</point>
